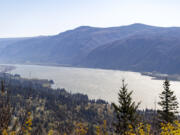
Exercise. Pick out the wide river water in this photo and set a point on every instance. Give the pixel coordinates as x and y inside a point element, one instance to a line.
<point>98,83</point>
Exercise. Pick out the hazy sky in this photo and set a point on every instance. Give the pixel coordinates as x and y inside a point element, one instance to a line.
<point>47,17</point>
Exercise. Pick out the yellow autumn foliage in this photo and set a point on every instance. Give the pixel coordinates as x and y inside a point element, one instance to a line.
<point>27,125</point>
<point>142,129</point>
<point>81,129</point>
<point>102,130</point>
<point>50,132</point>
<point>26,128</point>
<point>170,128</point>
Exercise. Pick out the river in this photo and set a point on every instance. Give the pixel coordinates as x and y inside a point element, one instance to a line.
<point>99,83</point>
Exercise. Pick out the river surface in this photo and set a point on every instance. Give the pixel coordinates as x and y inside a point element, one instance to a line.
<point>98,83</point>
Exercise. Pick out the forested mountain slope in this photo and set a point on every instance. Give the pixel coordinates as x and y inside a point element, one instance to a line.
<point>136,47</point>
<point>65,48</point>
<point>149,51</point>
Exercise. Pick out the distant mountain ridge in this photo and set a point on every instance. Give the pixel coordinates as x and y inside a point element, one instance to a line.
<point>136,47</point>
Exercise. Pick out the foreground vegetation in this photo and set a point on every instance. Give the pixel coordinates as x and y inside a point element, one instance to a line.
<point>28,107</point>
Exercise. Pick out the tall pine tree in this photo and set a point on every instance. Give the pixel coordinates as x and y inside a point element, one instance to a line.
<point>168,103</point>
<point>126,111</point>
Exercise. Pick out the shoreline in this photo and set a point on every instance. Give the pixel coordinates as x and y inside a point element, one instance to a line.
<point>6,67</point>
<point>160,76</point>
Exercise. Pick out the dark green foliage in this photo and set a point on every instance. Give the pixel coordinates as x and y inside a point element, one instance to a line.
<point>52,108</point>
<point>5,108</point>
<point>126,111</point>
<point>168,103</point>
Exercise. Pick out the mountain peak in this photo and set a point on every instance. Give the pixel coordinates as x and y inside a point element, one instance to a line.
<point>84,27</point>
<point>141,25</point>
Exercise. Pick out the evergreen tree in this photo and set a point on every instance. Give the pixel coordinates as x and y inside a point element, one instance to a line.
<point>126,111</point>
<point>168,103</point>
<point>5,108</point>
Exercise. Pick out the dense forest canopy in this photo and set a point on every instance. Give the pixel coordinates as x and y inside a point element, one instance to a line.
<point>45,110</point>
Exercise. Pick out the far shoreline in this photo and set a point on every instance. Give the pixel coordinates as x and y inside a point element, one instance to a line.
<point>154,75</point>
<point>6,68</point>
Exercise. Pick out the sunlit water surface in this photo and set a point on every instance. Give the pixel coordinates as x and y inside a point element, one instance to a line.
<point>98,83</point>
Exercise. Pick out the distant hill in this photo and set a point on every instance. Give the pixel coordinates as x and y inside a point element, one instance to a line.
<point>155,50</point>
<point>136,47</point>
<point>4,42</point>
<point>65,48</point>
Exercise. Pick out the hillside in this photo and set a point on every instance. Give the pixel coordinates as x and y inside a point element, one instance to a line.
<point>149,51</point>
<point>135,47</point>
<point>4,42</point>
<point>67,48</point>
<point>26,105</point>
<point>54,109</point>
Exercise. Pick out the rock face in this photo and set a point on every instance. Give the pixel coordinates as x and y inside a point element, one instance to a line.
<point>136,47</point>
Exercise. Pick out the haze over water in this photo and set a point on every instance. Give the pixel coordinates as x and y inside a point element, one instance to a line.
<point>98,83</point>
